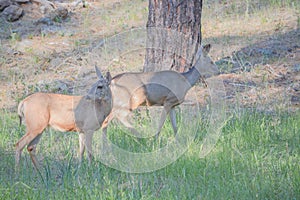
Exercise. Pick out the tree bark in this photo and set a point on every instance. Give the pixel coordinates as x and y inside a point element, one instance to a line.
<point>173,34</point>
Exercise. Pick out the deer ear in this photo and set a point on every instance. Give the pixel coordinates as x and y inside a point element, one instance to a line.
<point>108,77</point>
<point>98,72</point>
<point>206,49</point>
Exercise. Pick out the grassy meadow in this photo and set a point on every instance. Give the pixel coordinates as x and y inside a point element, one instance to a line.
<point>257,155</point>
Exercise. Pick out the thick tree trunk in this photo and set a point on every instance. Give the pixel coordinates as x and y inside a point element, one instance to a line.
<point>173,34</point>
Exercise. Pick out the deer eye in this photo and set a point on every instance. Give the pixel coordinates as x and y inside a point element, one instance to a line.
<point>99,86</point>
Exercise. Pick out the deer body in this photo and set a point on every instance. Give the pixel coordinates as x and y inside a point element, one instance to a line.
<point>150,88</point>
<point>51,110</point>
<point>83,114</point>
<point>163,88</point>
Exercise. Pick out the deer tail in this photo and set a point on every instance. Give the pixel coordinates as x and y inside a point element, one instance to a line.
<point>20,111</point>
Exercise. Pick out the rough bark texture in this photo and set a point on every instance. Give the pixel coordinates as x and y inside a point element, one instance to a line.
<point>173,35</point>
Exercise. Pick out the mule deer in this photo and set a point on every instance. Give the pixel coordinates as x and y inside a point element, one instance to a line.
<point>83,114</point>
<point>163,88</point>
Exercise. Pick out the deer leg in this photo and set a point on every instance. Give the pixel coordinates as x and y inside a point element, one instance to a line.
<point>31,148</point>
<point>25,140</point>
<point>122,116</point>
<point>88,145</point>
<point>85,142</point>
<point>162,120</point>
<point>172,115</point>
<point>106,122</point>
<point>19,148</point>
<point>126,123</point>
<point>81,145</point>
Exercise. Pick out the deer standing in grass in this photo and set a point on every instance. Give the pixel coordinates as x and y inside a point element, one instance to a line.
<point>164,88</point>
<point>83,114</point>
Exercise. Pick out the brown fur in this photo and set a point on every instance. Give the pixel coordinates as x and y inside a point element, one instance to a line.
<point>64,113</point>
<point>162,88</point>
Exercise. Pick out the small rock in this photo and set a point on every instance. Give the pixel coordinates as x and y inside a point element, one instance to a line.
<point>61,86</point>
<point>50,29</point>
<point>44,20</point>
<point>4,4</point>
<point>55,62</point>
<point>43,9</point>
<point>13,13</point>
<point>296,67</point>
<point>54,16</point>
<point>60,13</point>
<point>116,5</point>
<point>295,100</point>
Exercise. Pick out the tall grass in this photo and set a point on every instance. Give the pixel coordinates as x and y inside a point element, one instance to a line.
<point>242,8</point>
<point>257,157</point>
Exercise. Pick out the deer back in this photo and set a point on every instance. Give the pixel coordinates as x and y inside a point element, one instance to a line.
<point>151,88</point>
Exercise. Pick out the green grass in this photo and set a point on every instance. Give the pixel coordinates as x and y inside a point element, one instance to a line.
<point>245,8</point>
<point>256,157</point>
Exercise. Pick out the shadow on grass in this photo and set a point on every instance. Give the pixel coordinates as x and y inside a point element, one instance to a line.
<point>264,73</point>
<point>278,48</point>
<point>6,164</point>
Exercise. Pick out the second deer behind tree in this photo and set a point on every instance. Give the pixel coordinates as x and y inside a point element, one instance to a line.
<point>163,88</point>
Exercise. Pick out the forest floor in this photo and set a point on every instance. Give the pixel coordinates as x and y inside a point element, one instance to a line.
<point>257,51</point>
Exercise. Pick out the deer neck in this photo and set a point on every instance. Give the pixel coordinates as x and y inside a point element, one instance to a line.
<point>192,75</point>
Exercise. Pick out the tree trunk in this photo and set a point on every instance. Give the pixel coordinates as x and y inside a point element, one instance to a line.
<point>173,34</point>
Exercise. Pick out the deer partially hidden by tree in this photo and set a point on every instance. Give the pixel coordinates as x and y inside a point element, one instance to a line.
<point>83,114</point>
<point>163,88</point>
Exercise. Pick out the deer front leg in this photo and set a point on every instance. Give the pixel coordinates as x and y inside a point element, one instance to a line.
<point>85,142</point>
<point>88,145</point>
<point>172,115</point>
<point>81,145</point>
<point>105,123</point>
<point>162,120</point>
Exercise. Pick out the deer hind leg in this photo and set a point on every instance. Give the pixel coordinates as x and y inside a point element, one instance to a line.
<point>31,148</point>
<point>25,140</point>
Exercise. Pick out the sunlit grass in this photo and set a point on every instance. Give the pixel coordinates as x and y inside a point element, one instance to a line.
<point>257,156</point>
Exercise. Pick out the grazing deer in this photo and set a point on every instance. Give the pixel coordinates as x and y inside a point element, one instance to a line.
<point>83,114</point>
<point>163,88</point>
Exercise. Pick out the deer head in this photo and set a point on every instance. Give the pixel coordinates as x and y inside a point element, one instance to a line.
<point>100,89</point>
<point>205,66</point>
